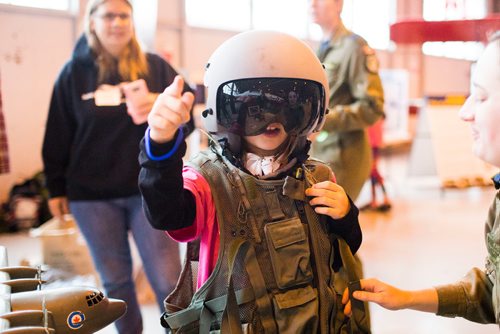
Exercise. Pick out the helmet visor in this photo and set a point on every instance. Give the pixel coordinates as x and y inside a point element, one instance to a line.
<point>247,107</point>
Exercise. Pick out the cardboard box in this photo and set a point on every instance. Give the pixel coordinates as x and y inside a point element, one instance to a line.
<point>63,247</point>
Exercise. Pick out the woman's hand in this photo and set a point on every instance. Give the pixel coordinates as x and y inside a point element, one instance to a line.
<point>58,207</point>
<point>139,110</point>
<point>392,298</point>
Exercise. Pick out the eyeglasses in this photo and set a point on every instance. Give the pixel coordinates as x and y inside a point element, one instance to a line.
<point>110,17</point>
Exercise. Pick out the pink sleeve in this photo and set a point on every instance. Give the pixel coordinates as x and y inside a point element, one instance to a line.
<point>205,225</point>
<point>205,209</point>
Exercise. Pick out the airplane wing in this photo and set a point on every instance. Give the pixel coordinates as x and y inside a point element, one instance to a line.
<point>25,307</point>
<point>23,284</point>
<point>28,330</point>
<point>3,257</point>
<point>17,279</point>
<point>4,289</point>
<point>16,272</point>
<point>4,298</point>
<point>23,318</point>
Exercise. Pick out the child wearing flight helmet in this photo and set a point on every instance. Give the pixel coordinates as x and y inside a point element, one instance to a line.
<point>272,225</point>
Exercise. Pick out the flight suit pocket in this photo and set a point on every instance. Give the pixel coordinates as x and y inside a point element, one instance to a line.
<point>332,71</point>
<point>288,247</point>
<point>296,311</point>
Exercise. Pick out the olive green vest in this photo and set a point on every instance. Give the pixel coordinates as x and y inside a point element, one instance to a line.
<point>274,270</point>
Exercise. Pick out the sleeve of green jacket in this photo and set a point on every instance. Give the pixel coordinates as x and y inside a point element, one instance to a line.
<point>473,297</point>
<point>366,92</point>
<point>469,298</point>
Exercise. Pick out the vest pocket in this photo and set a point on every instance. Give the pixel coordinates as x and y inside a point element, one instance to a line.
<point>288,247</point>
<point>296,311</point>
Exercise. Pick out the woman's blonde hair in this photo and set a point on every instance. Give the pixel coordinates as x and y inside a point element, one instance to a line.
<point>131,64</point>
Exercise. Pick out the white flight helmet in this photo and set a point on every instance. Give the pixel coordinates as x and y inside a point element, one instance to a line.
<point>248,79</point>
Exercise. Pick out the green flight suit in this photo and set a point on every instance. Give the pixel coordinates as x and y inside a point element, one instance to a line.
<point>356,101</point>
<point>477,296</point>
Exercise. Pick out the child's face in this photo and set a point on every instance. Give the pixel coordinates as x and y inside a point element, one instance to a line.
<point>482,108</point>
<point>269,141</point>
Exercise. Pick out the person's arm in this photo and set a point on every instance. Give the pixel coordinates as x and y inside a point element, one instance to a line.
<point>167,204</point>
<point>393,298</point>
<point>348,228</point>
<point>470,298</point>
<point>330,199</point>
<point>58,138</point>
<point>363,105</point>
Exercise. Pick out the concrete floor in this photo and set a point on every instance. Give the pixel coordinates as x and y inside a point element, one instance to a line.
<point>430,237</point>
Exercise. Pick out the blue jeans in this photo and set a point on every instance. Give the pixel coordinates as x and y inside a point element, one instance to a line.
<point>105,225</point>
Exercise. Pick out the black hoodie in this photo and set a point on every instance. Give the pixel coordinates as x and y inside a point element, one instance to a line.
<point>90,152</point>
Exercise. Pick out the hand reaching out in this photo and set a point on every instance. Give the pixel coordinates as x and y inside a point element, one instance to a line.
<point>170,111</point>
<point>392,298</point>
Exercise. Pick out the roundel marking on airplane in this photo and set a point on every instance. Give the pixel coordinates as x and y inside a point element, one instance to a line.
<point>75,319</point>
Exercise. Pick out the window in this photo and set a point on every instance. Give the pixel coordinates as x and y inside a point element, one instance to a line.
<point>282,15</point>
<point>63,5</point>
<point>368,18</point>
<point>218,14</point>
<point>442,10</point>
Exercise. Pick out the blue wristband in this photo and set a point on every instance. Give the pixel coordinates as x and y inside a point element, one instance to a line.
<point>147,144</point>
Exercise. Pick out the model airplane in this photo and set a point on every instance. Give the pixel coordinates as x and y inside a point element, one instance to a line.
<point>25,307</point>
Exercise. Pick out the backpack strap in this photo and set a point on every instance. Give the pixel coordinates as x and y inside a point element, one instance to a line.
<point>204,312</point>
<point>241,249</point>
<point>359,321</point>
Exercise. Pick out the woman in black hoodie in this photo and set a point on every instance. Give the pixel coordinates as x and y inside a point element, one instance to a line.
<point>96,119</point>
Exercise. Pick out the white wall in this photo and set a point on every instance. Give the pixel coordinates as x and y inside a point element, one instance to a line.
<point>35,45</point>
<point>444,76</point>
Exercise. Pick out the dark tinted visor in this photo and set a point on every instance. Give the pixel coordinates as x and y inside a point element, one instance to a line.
<point>247,107</point>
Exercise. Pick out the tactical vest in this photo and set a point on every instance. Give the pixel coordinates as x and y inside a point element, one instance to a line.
<point>274,270</point>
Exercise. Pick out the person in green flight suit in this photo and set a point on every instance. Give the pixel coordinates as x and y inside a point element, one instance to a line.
<point>356,98</point>
<point>475,296</point>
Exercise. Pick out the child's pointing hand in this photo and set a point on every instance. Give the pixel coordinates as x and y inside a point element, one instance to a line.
<point>170,111</point>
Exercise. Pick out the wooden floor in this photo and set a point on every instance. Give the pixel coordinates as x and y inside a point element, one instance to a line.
<point>430,237</point>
